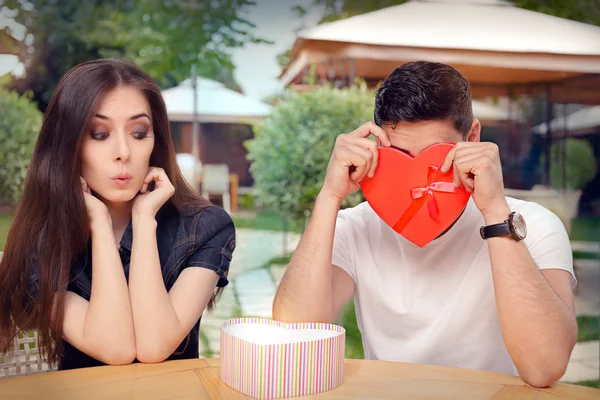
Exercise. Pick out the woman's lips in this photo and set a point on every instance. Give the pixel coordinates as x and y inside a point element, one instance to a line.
<point>122,179</point>
<point>122,182</point>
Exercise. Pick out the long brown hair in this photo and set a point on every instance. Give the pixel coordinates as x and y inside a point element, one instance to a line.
<point>50,228</point>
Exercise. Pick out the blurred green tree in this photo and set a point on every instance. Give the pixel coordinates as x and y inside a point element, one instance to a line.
<point>587,11</point>
<point>292,146</point>
<point>20,123</point>
<point>163,37</point>
<point>336,9</point>
<point>579,164</point>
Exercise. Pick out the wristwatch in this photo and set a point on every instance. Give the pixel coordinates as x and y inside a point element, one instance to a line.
<point>514,227</point>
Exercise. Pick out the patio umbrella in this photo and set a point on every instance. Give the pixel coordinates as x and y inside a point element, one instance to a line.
<point>216,103</point>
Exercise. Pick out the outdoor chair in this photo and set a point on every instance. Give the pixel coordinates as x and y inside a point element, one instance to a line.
<point>24,357</point>
<point>215,181</point>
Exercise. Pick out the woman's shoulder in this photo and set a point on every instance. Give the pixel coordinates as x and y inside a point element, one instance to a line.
<point>207,215</point>
<point>202,221</point>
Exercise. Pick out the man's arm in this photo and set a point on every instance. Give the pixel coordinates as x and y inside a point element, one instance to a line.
<point>312,289</point>
<point>536,310</point>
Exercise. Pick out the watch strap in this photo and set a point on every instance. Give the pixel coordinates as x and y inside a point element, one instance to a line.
<point>490,231</point>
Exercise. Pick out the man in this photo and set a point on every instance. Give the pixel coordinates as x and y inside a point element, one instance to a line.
<point>503,303</point>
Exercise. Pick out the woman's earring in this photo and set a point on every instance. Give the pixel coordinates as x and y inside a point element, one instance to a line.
<point>395,125</point>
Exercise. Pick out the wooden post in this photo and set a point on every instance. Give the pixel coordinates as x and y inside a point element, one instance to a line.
<point>285,236</point>
<point>195,123</point>
<point>548,142</point>
<point>351,72</point>
<point>233,191</point>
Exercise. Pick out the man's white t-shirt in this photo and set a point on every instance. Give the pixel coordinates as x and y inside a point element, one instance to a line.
<point>436,305</point>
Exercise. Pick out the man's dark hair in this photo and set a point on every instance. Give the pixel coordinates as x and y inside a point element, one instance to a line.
<point>425,91</point>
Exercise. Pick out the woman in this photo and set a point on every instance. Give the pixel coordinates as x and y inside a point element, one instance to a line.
<point>104,199</point>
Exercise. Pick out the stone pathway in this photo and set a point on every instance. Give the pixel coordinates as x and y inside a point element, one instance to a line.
<point>254,248</point>
<point>253,284</point>
<point>588,247</point>
<point>587,291</point>
<point>584,364</point>
<point>256,291</point>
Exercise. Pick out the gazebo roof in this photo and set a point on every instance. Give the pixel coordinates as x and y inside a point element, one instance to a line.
<point>494,43</point>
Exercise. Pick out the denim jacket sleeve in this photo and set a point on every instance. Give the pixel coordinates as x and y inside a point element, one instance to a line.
<point>214,242</point>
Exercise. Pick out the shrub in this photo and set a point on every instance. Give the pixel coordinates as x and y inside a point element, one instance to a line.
<point>292,147</point>
<point>580,164</point>
<point>20,123</point>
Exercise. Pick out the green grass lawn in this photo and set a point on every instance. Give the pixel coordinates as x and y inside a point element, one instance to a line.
<point>267,221</point>
<point>5,221</point>
<point>347,319</point>
<point>592,384</point>
<point>586,229</point>
<point>589,328</point>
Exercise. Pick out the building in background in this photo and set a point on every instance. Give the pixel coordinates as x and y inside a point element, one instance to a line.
<point>225,121</point>
<point>506,52</point>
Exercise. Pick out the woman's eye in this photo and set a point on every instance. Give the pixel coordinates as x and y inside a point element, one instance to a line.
<point>140,135</point>
<point>99,135</point>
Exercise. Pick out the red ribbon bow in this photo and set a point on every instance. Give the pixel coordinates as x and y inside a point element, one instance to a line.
<point>421,195</point>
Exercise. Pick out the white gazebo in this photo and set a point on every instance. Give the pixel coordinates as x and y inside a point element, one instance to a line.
<point>216,103</point>
<point>502,49</point>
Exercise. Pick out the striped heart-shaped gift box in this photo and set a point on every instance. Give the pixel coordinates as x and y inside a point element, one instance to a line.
<point>266,359</point>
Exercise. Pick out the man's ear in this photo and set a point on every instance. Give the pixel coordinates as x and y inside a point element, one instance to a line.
<point>474,134</point>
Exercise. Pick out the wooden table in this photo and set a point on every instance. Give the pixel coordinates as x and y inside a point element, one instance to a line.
<point>199,379</point>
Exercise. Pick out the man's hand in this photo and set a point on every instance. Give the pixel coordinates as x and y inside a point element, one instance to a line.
<point>354,157</point>
<point>477,167</point>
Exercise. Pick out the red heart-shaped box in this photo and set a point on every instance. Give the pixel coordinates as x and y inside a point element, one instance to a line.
<point>412,195</point>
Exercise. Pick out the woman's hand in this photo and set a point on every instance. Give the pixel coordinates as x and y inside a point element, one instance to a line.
<point>148,203</point>
<point>96,209</point>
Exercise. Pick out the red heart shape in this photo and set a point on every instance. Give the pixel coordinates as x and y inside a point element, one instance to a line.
<point>412,195</point>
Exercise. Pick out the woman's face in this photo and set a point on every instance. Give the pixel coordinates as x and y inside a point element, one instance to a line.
<point>116,149</point>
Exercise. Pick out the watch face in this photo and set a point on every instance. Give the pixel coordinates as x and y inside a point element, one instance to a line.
<point>519,225</point>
